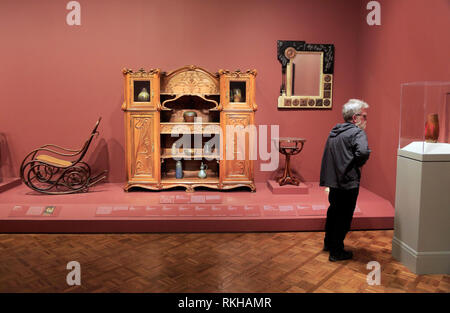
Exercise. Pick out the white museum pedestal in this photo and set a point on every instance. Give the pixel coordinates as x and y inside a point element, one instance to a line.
<point>422,208</point>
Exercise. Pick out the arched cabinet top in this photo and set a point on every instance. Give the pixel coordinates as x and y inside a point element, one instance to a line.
<point>190,80</point>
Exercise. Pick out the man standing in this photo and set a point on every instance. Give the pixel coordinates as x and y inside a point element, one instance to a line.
<point>346,151</point>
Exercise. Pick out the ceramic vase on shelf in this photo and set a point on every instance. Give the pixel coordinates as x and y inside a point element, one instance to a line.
<point>202,172</point>
<point>144,96</point>
<point>179,170</point>
<point>237,95</point>
<point>432,128</point>
<point>189,116</point>
<point>207,149</point>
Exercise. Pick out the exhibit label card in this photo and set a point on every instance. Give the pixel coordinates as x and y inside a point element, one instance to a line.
<point>190,199</point>
<point>35,211</point>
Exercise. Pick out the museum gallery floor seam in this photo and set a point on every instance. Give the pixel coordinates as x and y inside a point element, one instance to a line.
<point>106,208</point>
<point>204,262</point>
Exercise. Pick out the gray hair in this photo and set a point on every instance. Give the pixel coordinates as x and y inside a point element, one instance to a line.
<point>352,107</point>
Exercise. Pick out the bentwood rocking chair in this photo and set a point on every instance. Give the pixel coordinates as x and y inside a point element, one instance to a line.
<point>54,175</point>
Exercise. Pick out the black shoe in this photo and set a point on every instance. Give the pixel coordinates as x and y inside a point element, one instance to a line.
<point>340,256</point>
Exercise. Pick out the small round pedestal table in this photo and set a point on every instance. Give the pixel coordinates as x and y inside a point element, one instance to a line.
<point>289,146</point>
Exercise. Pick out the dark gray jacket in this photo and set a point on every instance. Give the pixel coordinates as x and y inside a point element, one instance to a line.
<point>345,153</point>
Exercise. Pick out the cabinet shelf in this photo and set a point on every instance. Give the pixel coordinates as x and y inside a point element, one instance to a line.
<point>166,128</point>
<point>195,157</point>
<point>174,102</point>
<point>190,176</point>
<point>168,110</point>
<point>188,154</point>
<point>189,123</point>
<point>190,180</point>
<point>191,94</point>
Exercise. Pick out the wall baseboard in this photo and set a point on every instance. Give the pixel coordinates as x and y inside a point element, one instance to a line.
<point>436,262</point>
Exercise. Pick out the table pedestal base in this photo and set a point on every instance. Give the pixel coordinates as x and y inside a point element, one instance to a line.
<point>285,180</point>
<point>275,188</point>
<point>289,146</point>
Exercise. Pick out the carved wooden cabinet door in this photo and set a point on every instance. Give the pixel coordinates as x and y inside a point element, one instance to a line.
<point>237,90</point>
<point>143,164</point>
<point>238,132</point>
<point>141,90</point>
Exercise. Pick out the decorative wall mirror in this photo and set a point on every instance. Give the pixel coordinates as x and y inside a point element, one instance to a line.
<point>307,75</point>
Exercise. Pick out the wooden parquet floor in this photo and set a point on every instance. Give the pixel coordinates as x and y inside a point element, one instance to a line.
<point>204,262</point>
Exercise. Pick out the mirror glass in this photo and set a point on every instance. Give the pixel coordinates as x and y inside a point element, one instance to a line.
<point>307,73</point>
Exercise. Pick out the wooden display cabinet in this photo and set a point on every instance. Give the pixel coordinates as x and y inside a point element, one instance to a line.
<point>152,120</point>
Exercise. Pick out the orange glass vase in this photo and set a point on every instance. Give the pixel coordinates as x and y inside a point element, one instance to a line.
<point>432,128</point>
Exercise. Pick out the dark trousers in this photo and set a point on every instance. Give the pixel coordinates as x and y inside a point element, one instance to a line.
<point>339,217</point>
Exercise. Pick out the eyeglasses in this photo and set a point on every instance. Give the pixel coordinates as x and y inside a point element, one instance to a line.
<point>363,115</point>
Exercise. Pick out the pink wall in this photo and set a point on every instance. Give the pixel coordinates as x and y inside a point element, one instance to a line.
<point>411,44</point>
<point>58,79</point>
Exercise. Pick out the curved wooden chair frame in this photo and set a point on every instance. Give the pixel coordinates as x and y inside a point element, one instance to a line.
<point>54,175</point>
